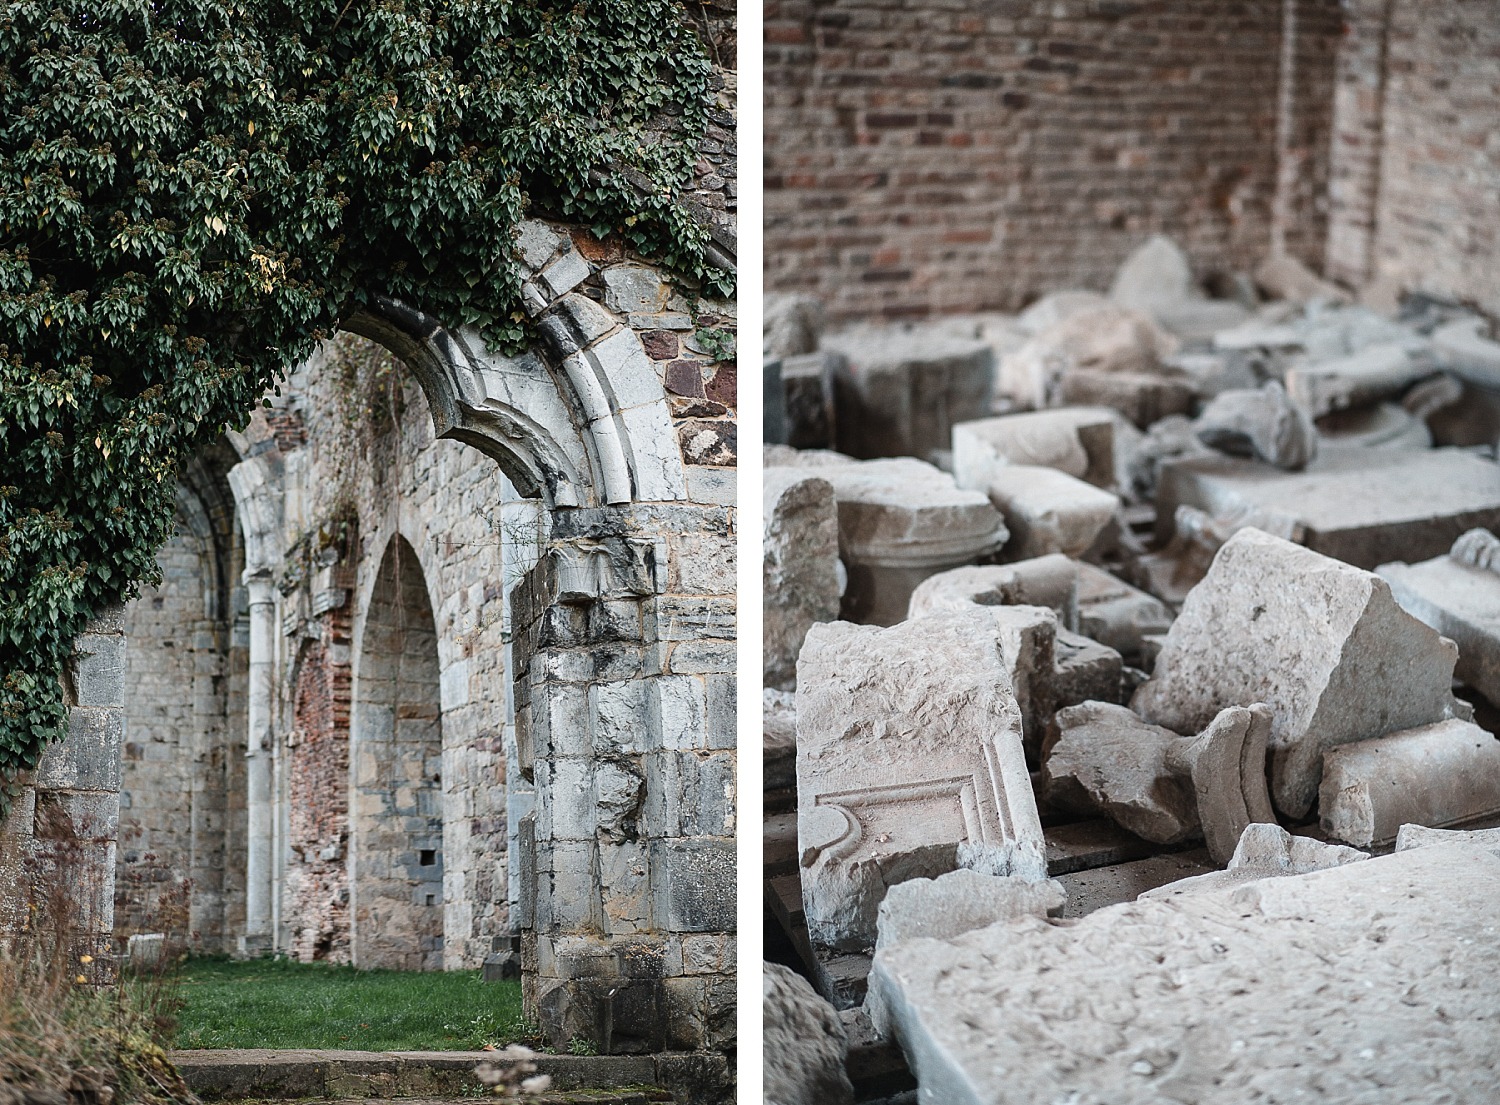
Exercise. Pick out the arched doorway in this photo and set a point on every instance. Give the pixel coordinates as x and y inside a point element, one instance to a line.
<point>395,788</point>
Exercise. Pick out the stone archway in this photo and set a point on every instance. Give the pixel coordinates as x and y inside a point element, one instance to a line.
<point>395,775</point>
<point>622,653</point>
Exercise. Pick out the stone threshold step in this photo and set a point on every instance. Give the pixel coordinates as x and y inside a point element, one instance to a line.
<point>265,1074</point>
<point>577,1097</point>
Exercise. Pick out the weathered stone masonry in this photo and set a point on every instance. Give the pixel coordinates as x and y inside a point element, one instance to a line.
<point>379,725</point>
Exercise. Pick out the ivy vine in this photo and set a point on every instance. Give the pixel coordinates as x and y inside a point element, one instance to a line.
<point>192,192</point>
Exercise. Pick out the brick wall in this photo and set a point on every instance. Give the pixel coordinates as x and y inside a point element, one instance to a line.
<point>317,882</point>
<point>925,156</point>
<point>1416,189</point>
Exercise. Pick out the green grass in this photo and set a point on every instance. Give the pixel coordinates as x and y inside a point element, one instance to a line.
<point>281,1004</point>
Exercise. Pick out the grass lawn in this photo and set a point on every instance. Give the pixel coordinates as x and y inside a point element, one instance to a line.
<point>282,1004</point>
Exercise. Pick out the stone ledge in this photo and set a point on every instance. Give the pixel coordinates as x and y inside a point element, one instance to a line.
<point>269,1074</point>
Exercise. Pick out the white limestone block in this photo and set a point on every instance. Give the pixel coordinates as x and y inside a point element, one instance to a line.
<point>1377,372</point>
<point>1365,507</point>
<point>805,1044</point>
<point>800,566</point>
<point>909,764</point>
<point>1075,440</point>
<point>1462,602</point>
<point>1323,644</point>
<point>1048,511</point>
<point>1434,775</point>
<point>1366,982</point>
<point>961,901</point>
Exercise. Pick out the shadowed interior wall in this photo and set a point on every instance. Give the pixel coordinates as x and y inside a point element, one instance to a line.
<point>396,868</point>
<point>174,719</point>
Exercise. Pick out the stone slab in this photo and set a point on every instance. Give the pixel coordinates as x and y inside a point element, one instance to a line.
<point>1435,775</point>
<point>1075,440</point>
<point>1369,508</point>
<point>1100,887</point>
<point>1116,614</point>
<point>1210,997</point>
<point>1377,372</point>
<point>1323,644</point>
<point>1462,602</point>
<point>909,764</point>
<point>1096,842</point>
<point>800,570</point>
<point>961,901</point>
<point>1048,511</point>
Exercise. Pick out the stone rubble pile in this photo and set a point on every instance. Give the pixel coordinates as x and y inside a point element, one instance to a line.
<point>1212,570</point>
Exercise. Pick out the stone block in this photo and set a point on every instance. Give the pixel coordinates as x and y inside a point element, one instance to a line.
<point>1263,423</point>
<point>1264,851</point>
<point>1362,379</point>
<point>955,903</point>
<point>694,885</point>
<point>800,566</point>
<point>1282,276</point>
<point>1082,669</point>
<point>1156,275</point>
<point>909,764</point>
<point>1148,1001</point>
<point>1077,440</point>
<point>1434,775</point>
<point>1107,760</point>
<point>633,289</point>
<point>898,392</point>
<point>99,673</point>
<point>1048,511</point>
<point>1323,644</point>
<point>1462,602</point>
<point>804,1043</point>
<point>1102,340</point>
<point>791,325</point>
<point>1050,581</point>
<point>89,757</point>
<point>779,728</point>
<point>807,395</point>
<point>1364,507</point>
<point>1116,614</point>
<point>566,273</point>
<point>901,521</point>
<point>1143,398</point>
<point>1158,785</point>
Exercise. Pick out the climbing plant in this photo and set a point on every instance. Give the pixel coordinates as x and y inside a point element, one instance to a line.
<point>192,192</point>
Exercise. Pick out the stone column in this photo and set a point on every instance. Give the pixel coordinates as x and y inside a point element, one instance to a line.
<point>57,847</point>
<point>625,722</point>
<point>256,939</point>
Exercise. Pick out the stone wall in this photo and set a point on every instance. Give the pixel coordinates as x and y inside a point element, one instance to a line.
<point>174,706</point>
<point>1416,190</point>
<point>58,841</point>
<point>927,157</point>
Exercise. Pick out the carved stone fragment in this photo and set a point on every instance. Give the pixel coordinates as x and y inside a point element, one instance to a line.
<point>909,764</point>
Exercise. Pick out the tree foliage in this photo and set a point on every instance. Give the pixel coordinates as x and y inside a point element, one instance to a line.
<point>193,191</point>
